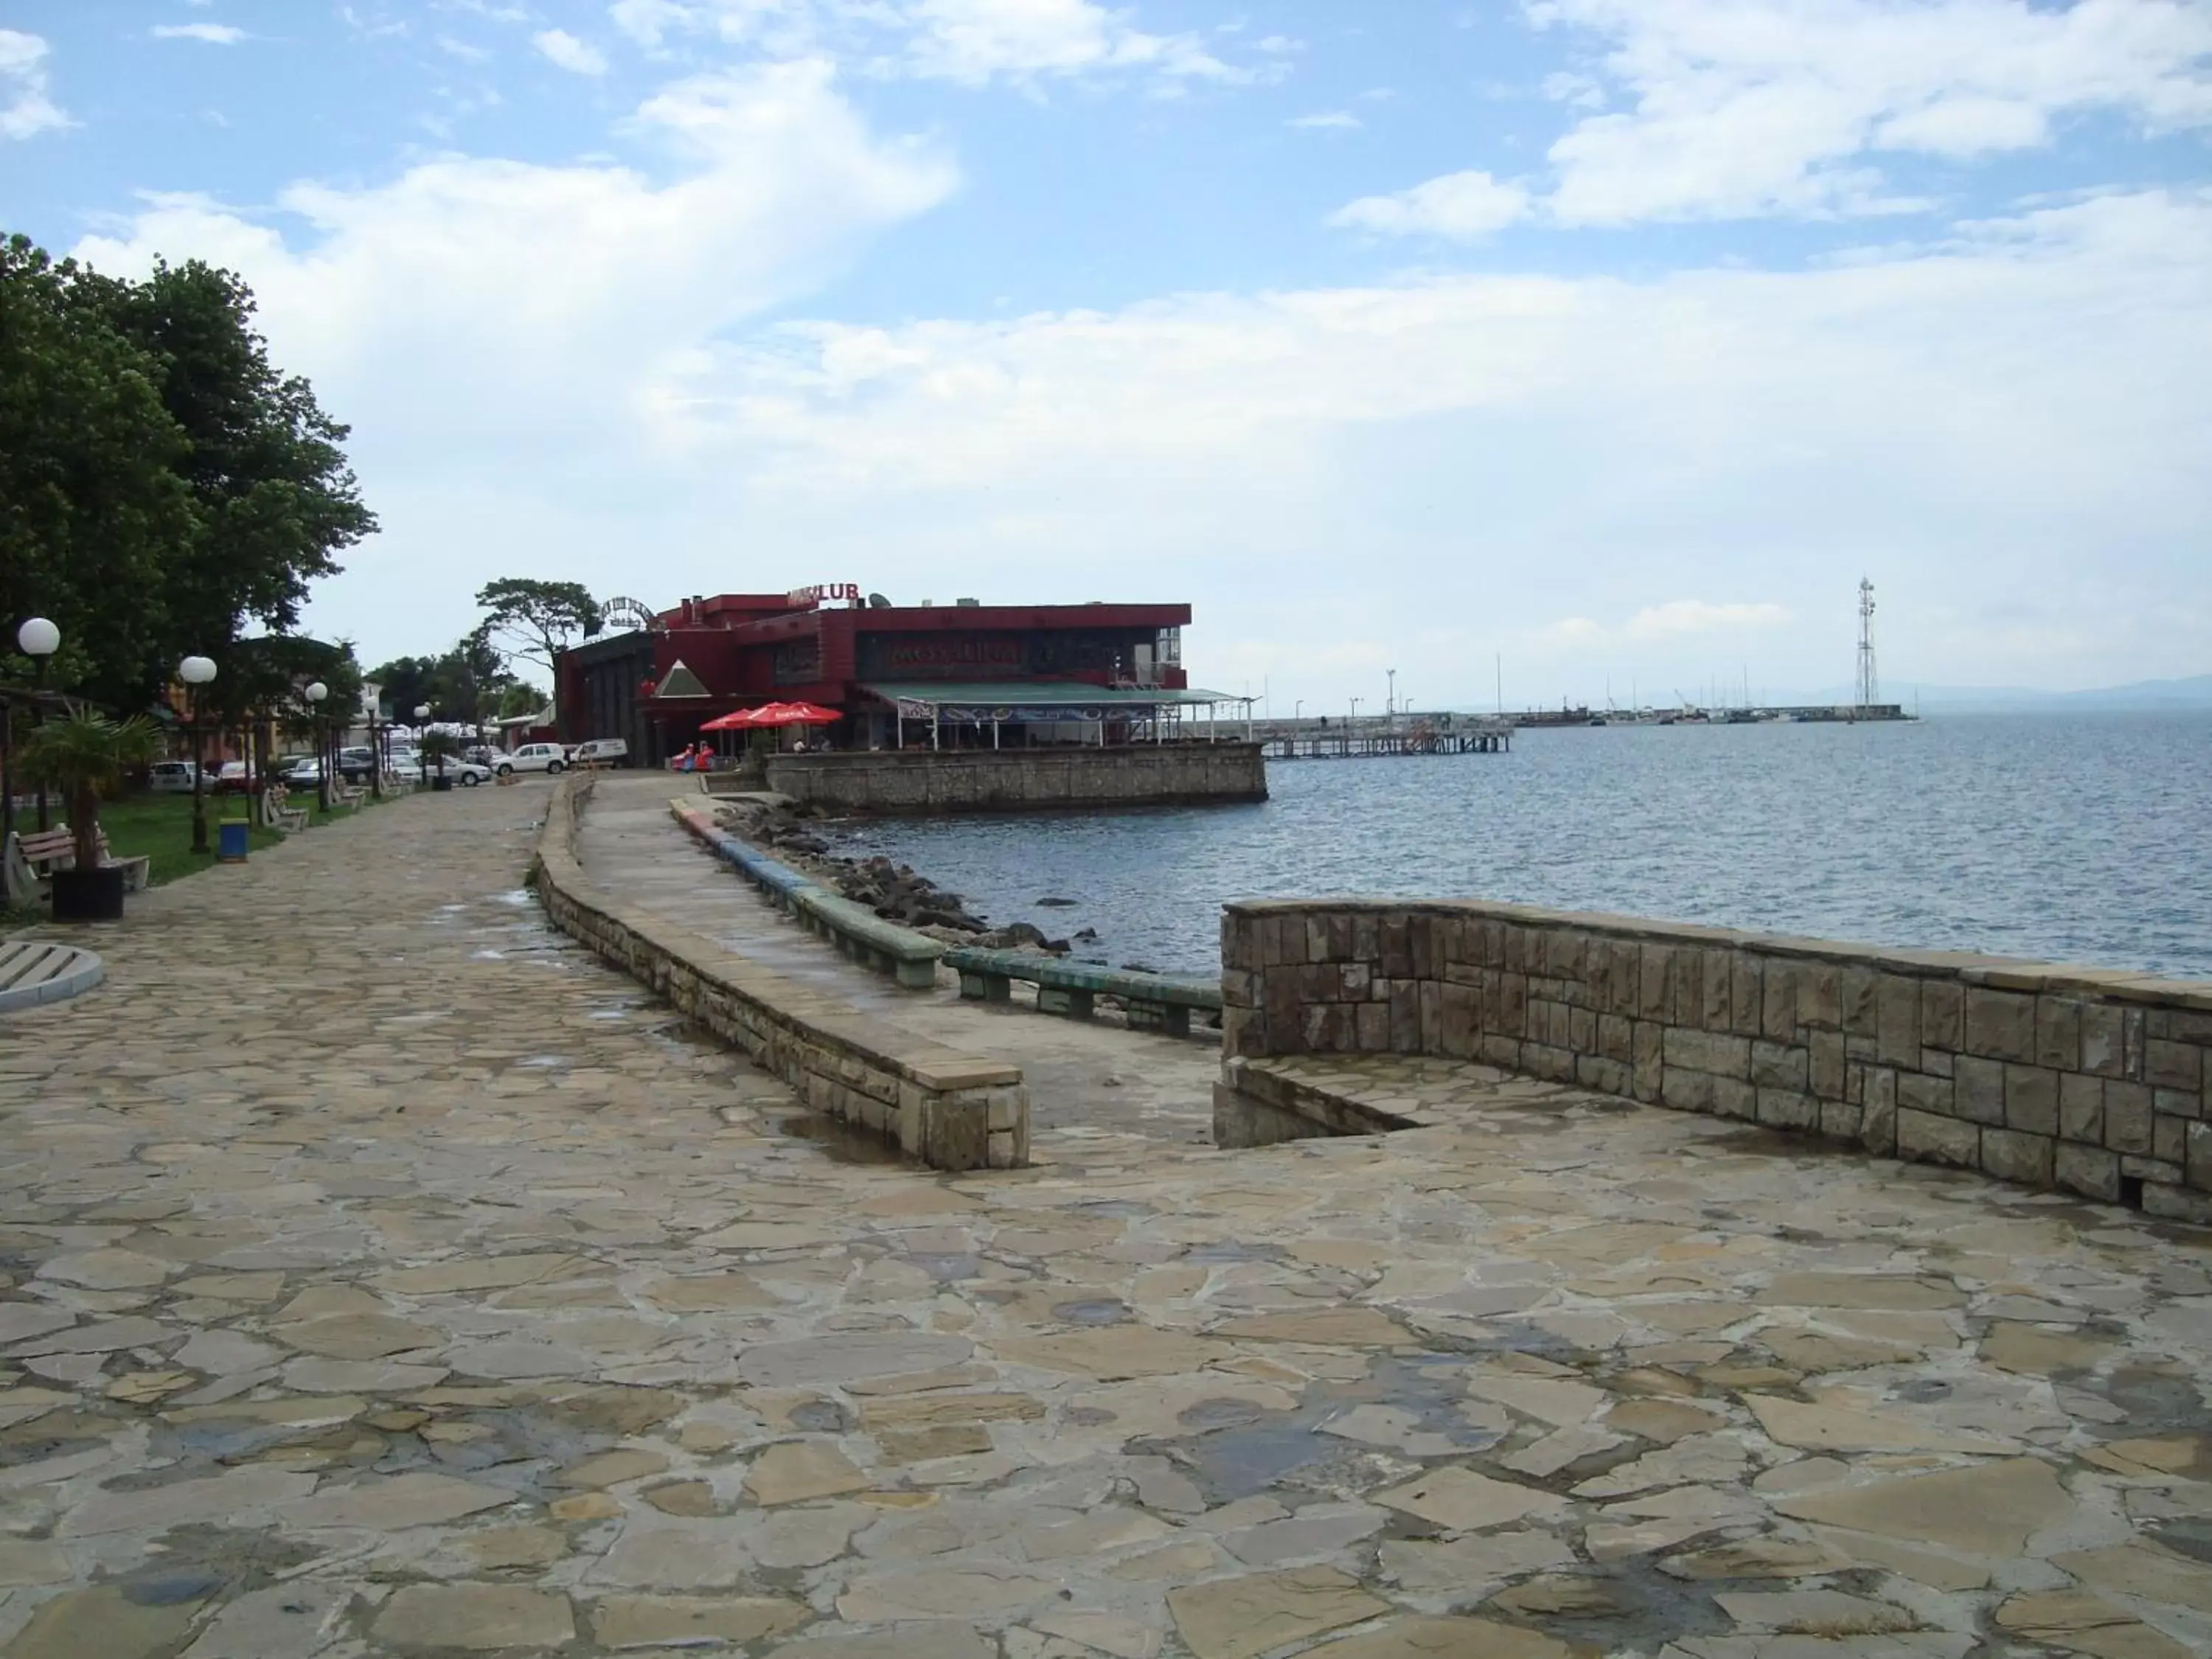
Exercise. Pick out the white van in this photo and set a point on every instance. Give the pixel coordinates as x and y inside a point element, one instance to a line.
<point>531,757</point>
<point>599,751</point>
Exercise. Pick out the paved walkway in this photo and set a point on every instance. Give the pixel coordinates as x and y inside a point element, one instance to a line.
<point>385,1278</point>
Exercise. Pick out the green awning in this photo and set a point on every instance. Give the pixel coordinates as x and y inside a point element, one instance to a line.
<point>1041,693</point>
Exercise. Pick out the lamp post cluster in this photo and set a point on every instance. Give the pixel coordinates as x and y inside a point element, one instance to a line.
<point>38,639</point>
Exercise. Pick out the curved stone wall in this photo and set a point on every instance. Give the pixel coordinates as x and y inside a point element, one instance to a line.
<point>951,1111</point>
<point>2078,1077</point>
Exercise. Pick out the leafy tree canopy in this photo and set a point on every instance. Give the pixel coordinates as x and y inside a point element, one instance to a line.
<point>536,621</point>
<point>94,505</point>
<point>146,535</point>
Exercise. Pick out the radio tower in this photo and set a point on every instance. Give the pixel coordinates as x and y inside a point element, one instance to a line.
<point>1869,686</point>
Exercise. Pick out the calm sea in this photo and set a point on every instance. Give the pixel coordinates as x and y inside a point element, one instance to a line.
<point>2083,838</point>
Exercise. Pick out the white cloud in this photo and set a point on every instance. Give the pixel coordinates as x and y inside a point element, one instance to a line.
<point>1315,466</point>
<point>1677,617</point>
<point>493,329</point>
<point>24,109</point>
<point>975,41</point>
<point>213,35</point>
<point>565,51</point>
<point>971,42</point>
<point>1744,107</point>
<point>1460,206</point>
<point>462,50</point>
<point>1328,118</point>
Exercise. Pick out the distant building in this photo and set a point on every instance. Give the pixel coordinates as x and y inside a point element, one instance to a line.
<point>963,675</point>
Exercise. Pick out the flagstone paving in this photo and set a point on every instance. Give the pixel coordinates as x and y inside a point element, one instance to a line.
<point>383,1277</point>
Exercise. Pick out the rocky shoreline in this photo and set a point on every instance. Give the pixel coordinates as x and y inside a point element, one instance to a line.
<point>894,891</point>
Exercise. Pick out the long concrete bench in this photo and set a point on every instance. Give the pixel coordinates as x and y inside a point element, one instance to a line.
<point>1155,1002</point>
<point>857,932</point>
<point>949,1110</point>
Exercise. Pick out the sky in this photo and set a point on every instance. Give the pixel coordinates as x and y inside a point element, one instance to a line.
<point>1597,348</point>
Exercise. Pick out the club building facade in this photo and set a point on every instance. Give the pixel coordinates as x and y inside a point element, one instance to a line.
<point>958,678</point>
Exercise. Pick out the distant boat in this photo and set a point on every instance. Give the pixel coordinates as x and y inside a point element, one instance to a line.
<point>1597,720</point>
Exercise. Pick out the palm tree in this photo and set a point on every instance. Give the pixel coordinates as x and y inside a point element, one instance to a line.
<point>84,755</point>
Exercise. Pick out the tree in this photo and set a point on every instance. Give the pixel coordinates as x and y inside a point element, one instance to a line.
<point>465,683</point>
<point>404,684</point>
<point>93,511</point>
<point>277,500</point>
<point>536,621</point>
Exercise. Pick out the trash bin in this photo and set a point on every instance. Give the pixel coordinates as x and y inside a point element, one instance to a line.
<point>230,842</point>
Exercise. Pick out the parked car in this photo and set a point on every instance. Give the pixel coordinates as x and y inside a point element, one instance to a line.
<point>305,773</point>
<point>532,757</point>
<point>356,763</point>
<point>468,772</point>
<point>599,751</point>
<point>173,777</point>
<point>234,778</point>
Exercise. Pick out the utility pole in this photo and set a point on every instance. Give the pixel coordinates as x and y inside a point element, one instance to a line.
<point>1869,687</point>
<point>1390,703</point>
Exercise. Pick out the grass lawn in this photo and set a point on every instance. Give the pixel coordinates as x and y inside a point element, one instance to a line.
<point>160,828</point>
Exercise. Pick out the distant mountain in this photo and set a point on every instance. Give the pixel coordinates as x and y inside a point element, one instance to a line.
<point>2195,692</point>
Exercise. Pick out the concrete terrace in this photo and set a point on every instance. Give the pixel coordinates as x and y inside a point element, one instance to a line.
<point>383,1276</point>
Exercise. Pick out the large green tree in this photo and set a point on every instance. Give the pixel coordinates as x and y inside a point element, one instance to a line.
<point>535,621</point>
<point>466,683</point>
<point>95,508</point>
<point>277,500</point>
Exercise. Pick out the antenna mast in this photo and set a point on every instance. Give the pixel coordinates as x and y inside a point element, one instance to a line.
<point>1869,685</point>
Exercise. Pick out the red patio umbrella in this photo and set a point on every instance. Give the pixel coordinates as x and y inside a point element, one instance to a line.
<point>734,722</point>
<point>793,714</point>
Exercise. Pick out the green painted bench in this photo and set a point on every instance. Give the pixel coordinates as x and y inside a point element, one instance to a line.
<point>907,957</point>
<point>1155,1002</point>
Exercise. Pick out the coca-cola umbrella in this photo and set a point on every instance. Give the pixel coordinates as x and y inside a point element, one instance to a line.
<point>793,714</point>
<point>735,722</point>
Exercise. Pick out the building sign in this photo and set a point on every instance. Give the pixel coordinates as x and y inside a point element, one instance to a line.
<point>798,662</point>
<point>628,614</point>
<point>825,593</point>
<point>908,654</point>
<point>1031,714</point>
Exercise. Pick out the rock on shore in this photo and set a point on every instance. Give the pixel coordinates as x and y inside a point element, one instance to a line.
<point>894,891</point>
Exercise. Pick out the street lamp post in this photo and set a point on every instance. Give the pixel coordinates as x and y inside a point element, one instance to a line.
<point>316,693</point>
<point>1390,703</point>
<point>195,672</point>
<point>1298,710</point>
<point>39,639</point>
<point>1353,728</point>
<point>421,760</point>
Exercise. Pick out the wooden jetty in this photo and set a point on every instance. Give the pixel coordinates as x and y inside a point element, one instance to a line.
<point>1401,734</point>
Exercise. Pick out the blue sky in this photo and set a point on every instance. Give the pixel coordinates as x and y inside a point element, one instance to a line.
<point>1615,338</point>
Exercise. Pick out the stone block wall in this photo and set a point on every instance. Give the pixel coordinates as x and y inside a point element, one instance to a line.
<point>951,1111</point>
<point>2097,1082</point>
<point>1023,779</point>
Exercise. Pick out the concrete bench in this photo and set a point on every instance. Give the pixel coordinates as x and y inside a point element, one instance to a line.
<point>274,815</point>
<point>1155,1002</point>
<point>858,932</point>
<point>33,971</point>
<point>32,858</point>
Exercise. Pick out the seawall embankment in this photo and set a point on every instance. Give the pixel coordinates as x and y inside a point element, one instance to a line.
<point>1023,779</point>
<point>948,1109</point>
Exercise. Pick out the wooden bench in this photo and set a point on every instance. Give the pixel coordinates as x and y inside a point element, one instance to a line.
<point>1155,1002</point>
<point>32,858</point>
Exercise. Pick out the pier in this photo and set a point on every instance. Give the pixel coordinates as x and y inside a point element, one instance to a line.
<point>1331,739</point>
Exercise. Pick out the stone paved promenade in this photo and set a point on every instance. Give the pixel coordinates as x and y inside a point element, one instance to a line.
<point>384,1277</point>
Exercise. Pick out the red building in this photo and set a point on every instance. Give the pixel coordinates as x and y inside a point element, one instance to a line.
<point>962,675</point>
